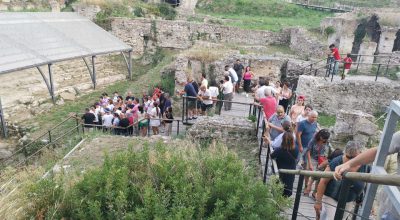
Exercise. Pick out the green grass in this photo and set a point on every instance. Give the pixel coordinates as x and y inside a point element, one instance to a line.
<point>261,14</point>
<point>357,3</point>
<point>326,120</point>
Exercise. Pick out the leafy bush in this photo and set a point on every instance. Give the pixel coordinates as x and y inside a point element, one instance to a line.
<point>138,12</point>
<point>329,30</point>
<point>166,183</point>
<point>111,9</point>
<point>167,11</point>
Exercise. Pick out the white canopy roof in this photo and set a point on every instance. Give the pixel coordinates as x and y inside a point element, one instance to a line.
<point>34,39</point>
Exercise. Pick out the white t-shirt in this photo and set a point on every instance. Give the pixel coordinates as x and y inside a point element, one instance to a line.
<point>204,83</point>
<point>228,87</point>
<point>233,73</point>
<point>261,91</point>
<point>300,118</point>
<point>214,91</point>
<point>206,93</point>
<point>107,120</point>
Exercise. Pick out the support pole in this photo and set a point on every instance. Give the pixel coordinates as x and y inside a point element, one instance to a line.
<point>3,121</point>
<point>53,98</point>
<point>341,205</point>
<point>377,72</point>
<point>94,72</point>
<point>297,198</point>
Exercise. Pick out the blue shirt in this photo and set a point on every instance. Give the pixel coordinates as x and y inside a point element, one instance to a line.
<point>189,89</point>
<point>307,131</point>
<point>333,188</point>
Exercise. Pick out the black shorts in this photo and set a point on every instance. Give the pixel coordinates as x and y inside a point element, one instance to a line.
<point>204,107</point>
<point>191,103</point>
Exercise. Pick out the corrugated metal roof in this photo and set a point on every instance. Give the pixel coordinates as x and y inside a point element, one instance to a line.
<point>37,38</point>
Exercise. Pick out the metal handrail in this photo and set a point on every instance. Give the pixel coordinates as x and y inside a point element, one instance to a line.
<point>392,180</point>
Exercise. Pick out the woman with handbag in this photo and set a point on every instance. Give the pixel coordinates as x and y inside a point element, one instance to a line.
<point>317,152</point>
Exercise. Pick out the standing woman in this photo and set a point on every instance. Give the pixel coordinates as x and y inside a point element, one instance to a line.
<point>297,108</point>
<point>286,159</point>
<point>155,118</point>
<point>286,94</point>
<point>318,151</point>
<point>247,79</point>
<point>278,89</point>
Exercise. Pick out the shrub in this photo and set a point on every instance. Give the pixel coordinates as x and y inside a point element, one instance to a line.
<point>168,183</point>
<point>329,30</point>
<point>167,11</point>
<point>111,10</point>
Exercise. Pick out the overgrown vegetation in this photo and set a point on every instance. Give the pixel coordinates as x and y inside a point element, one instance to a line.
<point>160,183</point>
<point>351,3</point>
<point>261,14</point>
<point>130,9</point>
<point>326,120</point>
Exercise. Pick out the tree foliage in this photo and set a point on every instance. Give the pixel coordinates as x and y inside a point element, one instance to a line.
<point>165,183</point>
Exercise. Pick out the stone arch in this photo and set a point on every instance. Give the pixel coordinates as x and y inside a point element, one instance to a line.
<point>369,28</point>
<point>396,45</point>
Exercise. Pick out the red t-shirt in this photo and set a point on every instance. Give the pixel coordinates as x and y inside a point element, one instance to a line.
<point>269,105</point>
<point>347,62</point>
<point>336,54</point>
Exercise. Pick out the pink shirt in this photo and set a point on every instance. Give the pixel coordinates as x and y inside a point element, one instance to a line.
<point>269,105</point>
<point>247,75</point>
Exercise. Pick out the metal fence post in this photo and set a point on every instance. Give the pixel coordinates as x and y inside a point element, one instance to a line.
<point>377,72</point>
<point>261,144</point>
<point>341,205</point>
<point>148,127</point>
<point>177,129</point>
<point>266,164</point>
<point>49,132</point>
<point>258,120</point>
<point>297,198</point>
<point>77,122</point>
<point>183,108</point>
<point>3,122</point>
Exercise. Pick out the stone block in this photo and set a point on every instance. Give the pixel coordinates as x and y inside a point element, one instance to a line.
<point>67,96</point>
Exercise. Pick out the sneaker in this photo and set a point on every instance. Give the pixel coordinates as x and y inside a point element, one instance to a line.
<point>194,118</point>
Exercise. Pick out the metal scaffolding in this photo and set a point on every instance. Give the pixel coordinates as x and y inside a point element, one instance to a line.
<point>34,40</point>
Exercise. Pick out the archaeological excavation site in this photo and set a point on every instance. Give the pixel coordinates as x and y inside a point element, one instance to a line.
<point>199,109</point>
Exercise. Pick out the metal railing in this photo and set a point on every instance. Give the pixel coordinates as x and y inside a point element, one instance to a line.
<point>49,138</point>
<point>376,68</point>
<point>133,129</point>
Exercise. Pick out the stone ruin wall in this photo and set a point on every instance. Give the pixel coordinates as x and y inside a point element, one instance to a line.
<point>306,46</point>
<point>183,34</point>
<point>24,93</point>
<point>262,66</point>
<point>349,94</point>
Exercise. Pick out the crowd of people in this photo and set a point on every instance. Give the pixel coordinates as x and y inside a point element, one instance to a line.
<point>128,115</point>
<point>291,129</point>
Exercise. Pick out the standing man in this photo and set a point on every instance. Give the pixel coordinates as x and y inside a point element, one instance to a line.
<point>276,121</point>
<point>305,132</point>
<point>88,120</point>
<point>386,210</point>
<point>233,75</point>
<point>204,81</point>
<point>189,91</point>
<point>227,90</point>
<point>336,59</point>
<point>238,67</point>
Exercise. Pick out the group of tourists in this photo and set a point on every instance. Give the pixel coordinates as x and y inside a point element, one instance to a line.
<point>128,115</point>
